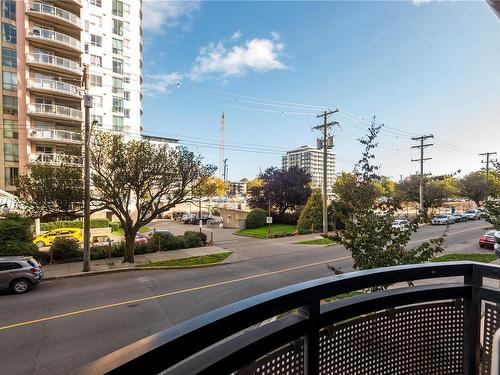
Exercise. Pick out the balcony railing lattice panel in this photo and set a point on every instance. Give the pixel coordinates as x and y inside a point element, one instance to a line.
<point>491,325</point>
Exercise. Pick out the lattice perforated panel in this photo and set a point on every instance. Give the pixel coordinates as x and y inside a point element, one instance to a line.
<point>491,325</point>
<point>422,339</point>
<point>288,360</point>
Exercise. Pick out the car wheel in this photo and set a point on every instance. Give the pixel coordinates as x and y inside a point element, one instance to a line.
<point>20,286</point>
<point>40,244</point>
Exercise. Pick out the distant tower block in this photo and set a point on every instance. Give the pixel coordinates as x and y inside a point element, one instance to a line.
<point>221,147</point>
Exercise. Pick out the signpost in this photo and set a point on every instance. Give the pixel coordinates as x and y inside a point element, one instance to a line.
<point>269,221</point>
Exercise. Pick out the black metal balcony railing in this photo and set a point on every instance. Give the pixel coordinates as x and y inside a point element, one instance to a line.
<point>428,329</point>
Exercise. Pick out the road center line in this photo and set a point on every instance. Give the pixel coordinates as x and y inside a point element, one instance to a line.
<point>163,295</point>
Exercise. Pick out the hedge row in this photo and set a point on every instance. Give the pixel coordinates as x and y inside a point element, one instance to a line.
<point>67,249</point>
<point>94,223</point>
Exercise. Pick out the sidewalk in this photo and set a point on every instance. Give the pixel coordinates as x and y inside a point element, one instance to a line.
<point>113,264</point>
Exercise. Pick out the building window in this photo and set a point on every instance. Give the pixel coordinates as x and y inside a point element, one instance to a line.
<point>126,112</point>
<point>9,57</point>
<point>95,80</point>
<point>117,104</point>
<point>97,101</point>
<point>97,3</point>
<point>96,40</point>
<point>117,27</point>
<point>11,174</point>
<point>86,47</point>
<point>10,105</point>
<point>126,8</point>
<point>117,46</point>
<point>96,60</point>
<point>97,118</point>
<point>126,79</point>
<point>11,152</point>
<point>10,129</point>
<point>117,85</point>
<point>9,9</point>
<point>95,20</point>
<point>117,8</point>
<point>117,123</point>
<point>126,95</point>
<point>117,65</point>
<point>9,34</point>
<point>9,81</point>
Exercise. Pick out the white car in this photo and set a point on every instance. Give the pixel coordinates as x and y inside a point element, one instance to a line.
<point>400,224</point>
<point>472,214</point>
<point>442,220</point>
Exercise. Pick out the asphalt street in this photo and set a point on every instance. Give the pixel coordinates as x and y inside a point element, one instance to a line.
<point>63,324</point>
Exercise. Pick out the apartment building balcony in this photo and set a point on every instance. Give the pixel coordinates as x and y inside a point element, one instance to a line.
<point>53,14</point>
<point>434,327</point>
<point>53,111</point>
<point>56,159</point>
<point>55,135</point>
<point>54,63</point>
<point>52,38</point>
<point>53,87</point>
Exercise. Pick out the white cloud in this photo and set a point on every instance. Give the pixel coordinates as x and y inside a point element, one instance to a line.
<point>254,55</point>
<point>236,35</point>
<point>161,83</point>
<point>158,15</point>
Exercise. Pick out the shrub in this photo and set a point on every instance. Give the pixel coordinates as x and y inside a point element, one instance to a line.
<point>100,252</point>
<point>291,218</point>
<point>256,218</point>
<point>42,256</point>
<point>65,248</point>
<point>15,236</point>
<point>311,217</point>
<point>118,250</point>
<point>337,212</point>
<point>145,248</point>
<point>15,247</point>
<point>115,225</point>
<point>192,239</point>
<point>94,223</point>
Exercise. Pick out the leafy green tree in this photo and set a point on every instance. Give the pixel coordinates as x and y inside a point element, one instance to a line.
<point>473,186</point>
<point>51,192</point>
<point>256,218</point>
<point>311,216</point>
<point>493,213</point>
<point>368,234</point>
<point>15,236</point>
<point>138,181</point>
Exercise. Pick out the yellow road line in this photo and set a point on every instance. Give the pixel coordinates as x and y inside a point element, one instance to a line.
<point>163,295</point>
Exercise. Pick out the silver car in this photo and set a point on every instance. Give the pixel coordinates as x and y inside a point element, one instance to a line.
<point>442,220</point>
<point>19,274</point>
<point>472,214</point>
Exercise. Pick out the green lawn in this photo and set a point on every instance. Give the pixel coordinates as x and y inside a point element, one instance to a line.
<point>277,230</point>
<point>318,241</point>
<point>482,258</point>
<point>143,229</point>
<point>193,261</point>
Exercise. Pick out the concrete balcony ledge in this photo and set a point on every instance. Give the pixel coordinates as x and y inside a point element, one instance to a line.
<point>54,13</point>
<point>55,111</point>
<point>57,135</point>
<point>54,63</point>
<point>53,86</point>
<point>56,159</point>
<point>50,36</point>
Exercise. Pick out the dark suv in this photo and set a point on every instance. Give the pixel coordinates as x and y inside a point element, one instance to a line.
<point>19,274</point>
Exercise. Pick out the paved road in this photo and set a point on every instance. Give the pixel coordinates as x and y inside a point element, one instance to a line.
<point>65,323</point>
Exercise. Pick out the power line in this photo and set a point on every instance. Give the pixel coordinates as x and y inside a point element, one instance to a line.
<point>421,146</point>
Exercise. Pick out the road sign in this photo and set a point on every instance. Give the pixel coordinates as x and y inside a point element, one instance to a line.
<point>269,220</point>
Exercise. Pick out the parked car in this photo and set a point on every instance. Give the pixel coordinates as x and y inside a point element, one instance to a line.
<point>177,216</point>
<point>196,219</point>
<point>48,238</point>
<point>497,244</point>
<point>102,241</point>
<point>472,214</point>
<point>442,219</point>
<point>400,224</point>
<point>163,231</point>
<point>459,218</point>
<point>141,238</point>
<point>19,274</point>
<point>186,219</point>
<point>487,239</point>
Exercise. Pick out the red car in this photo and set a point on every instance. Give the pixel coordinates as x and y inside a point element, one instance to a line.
<point>140,238</point>
<point>487,239</point>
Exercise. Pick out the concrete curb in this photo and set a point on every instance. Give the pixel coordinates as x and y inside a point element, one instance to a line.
<point>139,268</point>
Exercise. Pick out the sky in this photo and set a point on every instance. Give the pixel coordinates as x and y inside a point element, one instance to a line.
<point>421,67</point>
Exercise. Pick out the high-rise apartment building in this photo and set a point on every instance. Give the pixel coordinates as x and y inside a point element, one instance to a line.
<point>45,46</point>
<point>310,159</point>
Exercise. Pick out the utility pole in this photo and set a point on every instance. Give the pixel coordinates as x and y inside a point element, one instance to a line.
<point>225,169</point>
<point>325,127</point>
<point>487,162</point>
<point>421,146</point>
<point>87,102</point>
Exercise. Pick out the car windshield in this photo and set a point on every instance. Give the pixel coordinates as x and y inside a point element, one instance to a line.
<point>470,211</point>
<point>33,263</point>
<point>441,217</point>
